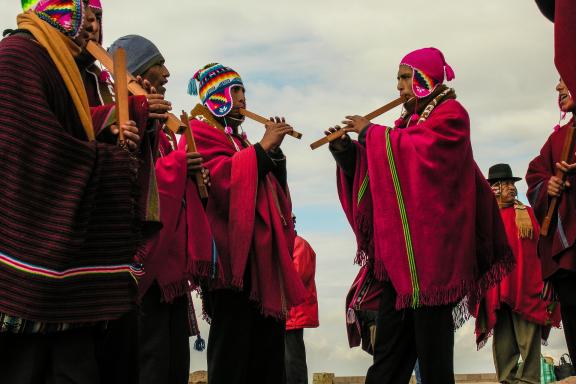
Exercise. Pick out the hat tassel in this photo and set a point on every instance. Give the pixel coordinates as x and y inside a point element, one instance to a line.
<point>192,88</point>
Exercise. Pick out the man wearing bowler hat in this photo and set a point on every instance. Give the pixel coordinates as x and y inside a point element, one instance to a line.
<point>513,310</point>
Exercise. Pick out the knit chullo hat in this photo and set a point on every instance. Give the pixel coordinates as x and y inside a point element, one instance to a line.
<point>65,15</point>
<point>429,69</point>
<point>215,83</point>
<point>96,4</point>
<point>141,53</point>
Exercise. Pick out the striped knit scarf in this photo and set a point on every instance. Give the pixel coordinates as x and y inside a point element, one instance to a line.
<point>62,51</point>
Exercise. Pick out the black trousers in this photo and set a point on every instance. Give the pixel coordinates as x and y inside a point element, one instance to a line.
<point>295,352</point>
<point>565,285</point>
<point>243,345</point>
<point>57,358</point>
<point>164,339</point>
<point>117,350</point>
<point>426,334</point>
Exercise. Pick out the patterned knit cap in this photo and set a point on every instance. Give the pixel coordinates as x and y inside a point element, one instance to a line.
<point>95,4</point>
<point>428,70</point>
<point>215,82</point>
<point>65,15</point>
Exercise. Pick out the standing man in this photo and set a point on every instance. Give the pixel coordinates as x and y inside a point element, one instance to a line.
<point>302,316</point>
<point>514,309</point>
<point>402,194</point>
<point>181,253</point>
<point>557,250</point>
<point>69,225</point>
<point>255,283</point>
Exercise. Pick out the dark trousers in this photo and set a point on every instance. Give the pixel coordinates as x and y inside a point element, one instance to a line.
<point>565,286</point>
<point>295,352</point>
<point>426,334</point>
<point>57,358</point>
<point>243,345</point>
<point>117,350</point>
<point>164,339</point>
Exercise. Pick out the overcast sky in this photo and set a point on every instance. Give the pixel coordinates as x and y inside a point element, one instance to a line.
<point>316,61</point>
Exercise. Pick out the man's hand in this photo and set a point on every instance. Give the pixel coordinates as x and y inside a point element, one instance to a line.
<point>206,176</point>
<point>276,129</point>
<point>356,123</point>
<point>158,108</point>
<point>340,143</point>
<point>556,186</point>
<point>194,163</point>
<point>131,136</point>
<point>568,169</point>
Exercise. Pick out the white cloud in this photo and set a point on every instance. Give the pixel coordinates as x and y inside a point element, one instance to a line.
<point>315,61</point>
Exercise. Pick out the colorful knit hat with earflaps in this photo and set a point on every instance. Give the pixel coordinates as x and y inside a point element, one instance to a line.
<point>64,15</point>
<point>429,69</point>
<point>215,83</point>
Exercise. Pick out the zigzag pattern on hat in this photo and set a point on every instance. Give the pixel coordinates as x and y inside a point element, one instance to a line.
<point>422,84</point>
<point>64,15</point>
<point>215,82</point>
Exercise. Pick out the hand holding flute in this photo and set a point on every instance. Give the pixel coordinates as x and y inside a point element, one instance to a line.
<point>276,130</point>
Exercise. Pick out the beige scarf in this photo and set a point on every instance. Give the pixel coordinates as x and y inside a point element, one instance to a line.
<point>62,50</point>
<point>523,221</point>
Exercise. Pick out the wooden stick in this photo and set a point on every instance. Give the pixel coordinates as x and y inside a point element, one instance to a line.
<point>100,54</point>
<point>263,120</point>
<point>191,147</point>
<point>121,91</point>
<point>566,155</point>
<point>370,116</point>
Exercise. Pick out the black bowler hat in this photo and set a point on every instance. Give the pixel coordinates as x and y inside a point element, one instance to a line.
<point>547,8</point>
<point>500,172</point>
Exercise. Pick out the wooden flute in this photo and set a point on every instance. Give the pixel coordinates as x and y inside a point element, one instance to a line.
<point>263,120</point>
<point>335,135</point>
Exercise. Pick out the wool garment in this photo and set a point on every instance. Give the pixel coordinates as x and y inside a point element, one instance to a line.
<point>564,32</point>
<point>557,249</point>
<point>250,220</point>
<point>68,221</point>
<point>182,251</point>
<point>434,249</point>
<point>521,290</point>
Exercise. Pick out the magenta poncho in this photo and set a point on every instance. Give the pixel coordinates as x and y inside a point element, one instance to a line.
<point>251,223</point>
<point>438,236</point>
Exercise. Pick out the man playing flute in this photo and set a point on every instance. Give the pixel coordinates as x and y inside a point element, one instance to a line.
<point>181,255</point>
<point>557,250</point>
<point>249,210</point>
<point>402,189</point>
<point>70,225</point>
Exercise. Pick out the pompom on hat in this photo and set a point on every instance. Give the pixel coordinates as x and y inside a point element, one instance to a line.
<point>215,83</point>
<point>65,15</point>
<point>430,69</point>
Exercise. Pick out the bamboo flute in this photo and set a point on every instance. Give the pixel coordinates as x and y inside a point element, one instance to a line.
<point>335,135</point>
<point>191,147</point>
<point>263,120</point>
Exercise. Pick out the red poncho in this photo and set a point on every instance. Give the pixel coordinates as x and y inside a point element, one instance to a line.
<point>251,223</point>
<point>522,288</point>
<point>556,249</point>
<point>182,251</point>
<point>438,235</point>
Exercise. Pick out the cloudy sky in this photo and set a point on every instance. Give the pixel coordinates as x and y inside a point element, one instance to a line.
<point>316,61</point>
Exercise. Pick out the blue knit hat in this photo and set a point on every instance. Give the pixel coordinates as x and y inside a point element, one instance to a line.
<point>141,53</point>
